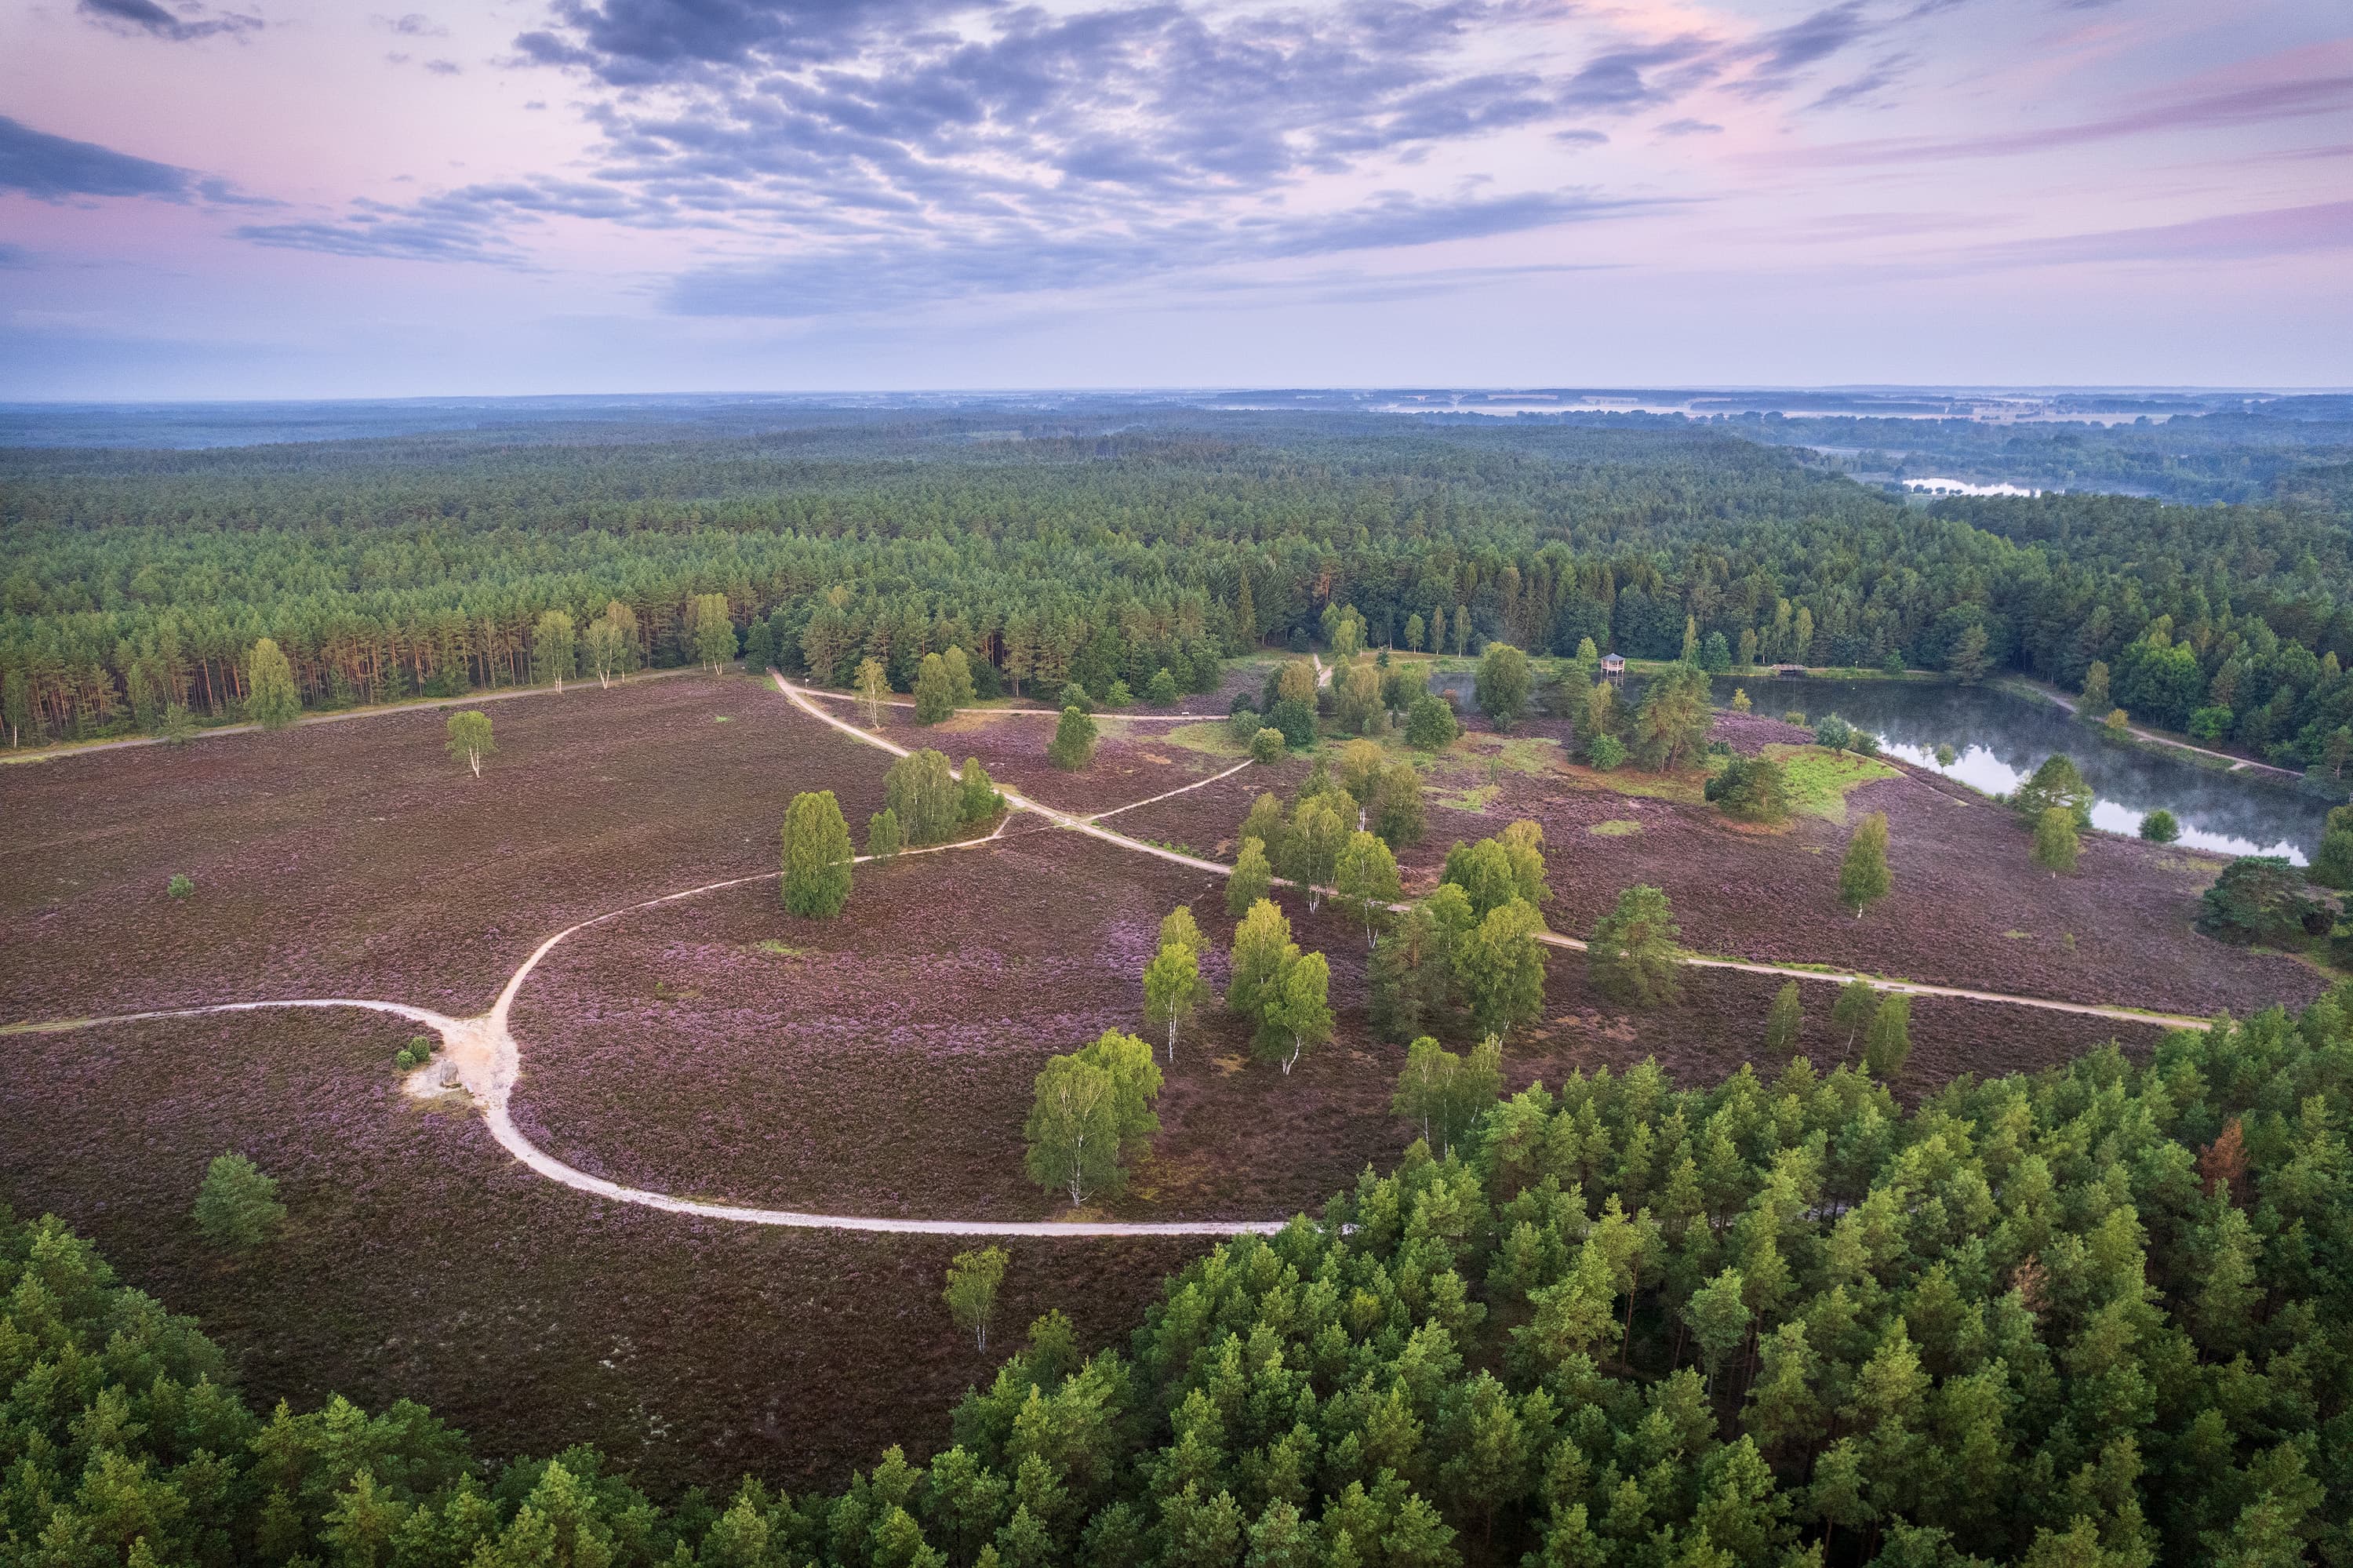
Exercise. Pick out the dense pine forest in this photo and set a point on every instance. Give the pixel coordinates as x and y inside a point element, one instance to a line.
<point>137,584</point>
<point>2099,1317</point>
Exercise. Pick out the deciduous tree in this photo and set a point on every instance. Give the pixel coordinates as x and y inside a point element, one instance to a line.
<point>1430,724</point>
<point>470,738</point>
<point>1298,1012</point>
<point>1887,1043</point>
<point>1251,880</point>
<point>814,884</point>
<point>270,699</point>
<point>1366,879</point>
<point>971,1294</point>
<point>1501,686</point>
<point>2056,844</point>
<point>882,835</point>
<point>555,649</point>
<point>612,643</point>
<point>1863,876</point>
<point>1073,1129</point>
<point>1785,1025</point>
<point>922,789</point>
<point>977,792</point>
<point>935,692</point>
<point>715,631</point>
<point>1173,987</point>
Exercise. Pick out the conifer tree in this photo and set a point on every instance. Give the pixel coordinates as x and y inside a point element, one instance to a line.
<point>1631,955</point>
<point>237,1206</point>
<point>1073,746</point>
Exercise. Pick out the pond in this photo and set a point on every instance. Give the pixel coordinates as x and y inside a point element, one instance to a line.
<point>1999,740</point>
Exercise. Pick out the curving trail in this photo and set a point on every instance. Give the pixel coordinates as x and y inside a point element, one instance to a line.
<point>481,1055</point>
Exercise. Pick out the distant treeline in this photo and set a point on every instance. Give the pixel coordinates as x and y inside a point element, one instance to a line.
<point>423,565</point>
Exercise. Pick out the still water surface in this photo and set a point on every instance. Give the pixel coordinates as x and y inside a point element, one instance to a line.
<point>1999,740</point>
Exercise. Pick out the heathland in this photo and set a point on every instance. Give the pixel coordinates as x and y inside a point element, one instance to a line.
<point>1723,1277</point>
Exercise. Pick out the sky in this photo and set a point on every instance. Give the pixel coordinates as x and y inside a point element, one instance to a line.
<point>293,199</point>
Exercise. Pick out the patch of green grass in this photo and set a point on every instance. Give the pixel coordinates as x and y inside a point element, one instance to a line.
<point>1616,828</point>
<point>1820,778</point>
<point>1684,790</point>
<point>1209,737</point>
<point>1474,799</point>
<point>2020,936</point>
<point>776,949</point>
<point>1520,753</point>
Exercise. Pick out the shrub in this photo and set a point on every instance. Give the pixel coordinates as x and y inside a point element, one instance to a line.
<point>1074,696</point>
<point>1834,732</point>
<point>182,886</point>
<point>1794,716</point>
<point>1740,702</point>
<point>237,1206</point>
<point>1295,718</point>
<point>1118,695</point>
<point>2260,899</point>
<point>2211,724</point>
<point>1751,789</point>
<point>1162,691</point>
<point>2333,866</point>
<point>2159,828</point>
<point>1073,746</point>
<point>1267,745</point>
<point>1606,752</point>
<point>882,837</point>
<point>1430,724</point>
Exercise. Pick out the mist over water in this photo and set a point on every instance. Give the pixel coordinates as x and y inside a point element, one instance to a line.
<point>1999,740</point>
